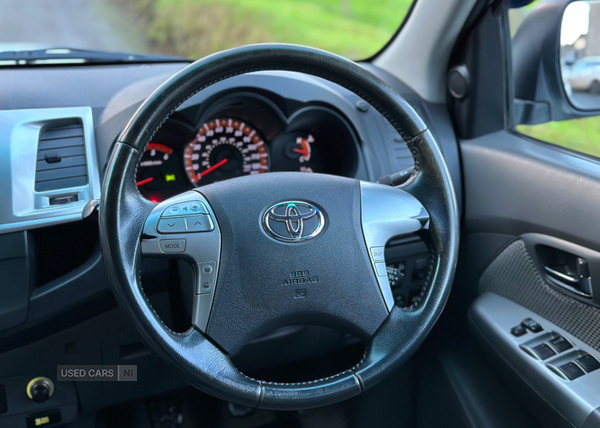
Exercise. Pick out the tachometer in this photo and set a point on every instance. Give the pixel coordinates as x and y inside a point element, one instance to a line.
<point>223,149</point>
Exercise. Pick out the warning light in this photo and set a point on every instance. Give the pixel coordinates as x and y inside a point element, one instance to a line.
<point>170,177</point>
<point>154,200</point>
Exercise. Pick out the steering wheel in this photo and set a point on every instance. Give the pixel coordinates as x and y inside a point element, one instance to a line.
<point>278,249</point>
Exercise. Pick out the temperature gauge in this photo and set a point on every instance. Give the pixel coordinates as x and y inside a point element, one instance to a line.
<point>298,151</point>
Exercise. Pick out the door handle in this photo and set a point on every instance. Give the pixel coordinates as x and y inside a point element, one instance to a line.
<point>561,276</point>
<point>580,284</point>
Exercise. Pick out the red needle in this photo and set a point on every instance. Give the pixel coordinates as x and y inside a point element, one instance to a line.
<point>215,166</point>
<point>304,152</point>
<point>147,180</point>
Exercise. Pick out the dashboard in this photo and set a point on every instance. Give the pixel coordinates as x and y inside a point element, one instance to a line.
<point>245,134</point>
<point>55,292</point>
<point>261,122</point>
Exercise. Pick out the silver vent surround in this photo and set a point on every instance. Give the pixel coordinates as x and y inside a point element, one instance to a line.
<point>22,207</point>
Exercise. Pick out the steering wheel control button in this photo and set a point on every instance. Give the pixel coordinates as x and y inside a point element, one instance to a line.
<point>560,344</point>
<point>185,209</point>
<point>172,225</point>
<point>531,325</point>
<point>381,269</point>
<point>172,245</point>
<point>543,351</point>
<point>198,208</point>
<point>378,254</point>
<point>588,363</point>
<point>207,274</point>
<point>571,370</point>
<point>394,276</point>
<point>201,223</point>
<point>518,330</point>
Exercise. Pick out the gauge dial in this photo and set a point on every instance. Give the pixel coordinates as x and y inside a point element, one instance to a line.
<point>225,148</point>
<point>158,174</point>
<point>295,151</point>
<point>298,148</point>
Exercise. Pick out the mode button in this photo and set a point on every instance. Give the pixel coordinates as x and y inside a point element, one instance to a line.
<point>172,245</point>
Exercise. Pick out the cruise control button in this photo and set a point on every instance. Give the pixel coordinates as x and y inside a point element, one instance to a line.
<point>172,245</point>
<point>378,254</point>
<point>207,274</point>
<point>201,223</point>
<point>171,225</point>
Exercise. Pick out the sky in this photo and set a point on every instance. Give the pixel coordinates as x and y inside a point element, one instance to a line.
<point>576,22</point>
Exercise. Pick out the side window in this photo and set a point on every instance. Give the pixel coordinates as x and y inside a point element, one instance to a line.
<point>580,68</point>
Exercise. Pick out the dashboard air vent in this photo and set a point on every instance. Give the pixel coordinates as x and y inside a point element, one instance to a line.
<point>61,158</point>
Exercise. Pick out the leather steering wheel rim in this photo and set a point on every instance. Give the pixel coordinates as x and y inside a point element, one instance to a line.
<point>124,212</point>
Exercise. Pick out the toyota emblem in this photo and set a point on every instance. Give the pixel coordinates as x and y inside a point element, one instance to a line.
<point>293,221</point>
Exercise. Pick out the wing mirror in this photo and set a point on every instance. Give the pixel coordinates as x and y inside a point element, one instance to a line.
<point>580,54</point>
<point>556,62</point>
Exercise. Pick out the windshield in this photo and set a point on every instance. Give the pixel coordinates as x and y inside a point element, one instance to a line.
<point>356,29</point>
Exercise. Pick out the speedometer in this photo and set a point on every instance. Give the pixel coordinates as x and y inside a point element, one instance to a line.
<point>225,148</point>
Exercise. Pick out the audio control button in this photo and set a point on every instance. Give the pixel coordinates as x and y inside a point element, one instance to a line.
<point>172,245</point>
<point>200,223</point>
<point>172,225</point>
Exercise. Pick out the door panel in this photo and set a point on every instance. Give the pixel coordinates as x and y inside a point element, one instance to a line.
<point>547,199</point>
<point>516,185</point>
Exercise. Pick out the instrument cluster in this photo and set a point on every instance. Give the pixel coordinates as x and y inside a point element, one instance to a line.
<point>244,135</point>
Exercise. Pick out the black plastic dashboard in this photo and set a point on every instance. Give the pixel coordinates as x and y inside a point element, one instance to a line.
<point>56,304</point>
<point>303,123</point>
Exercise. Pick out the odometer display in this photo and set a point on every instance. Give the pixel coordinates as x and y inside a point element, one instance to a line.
<point>225,148</point>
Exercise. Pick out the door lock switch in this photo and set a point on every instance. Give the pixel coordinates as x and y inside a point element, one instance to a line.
<point>518,330</point>
<point>531,325</point>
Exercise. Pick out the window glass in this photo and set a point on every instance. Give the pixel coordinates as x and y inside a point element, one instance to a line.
<point>356,29</point>
<point>581,135</point>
